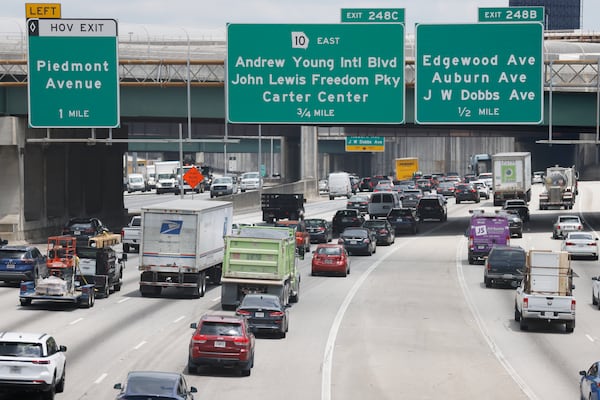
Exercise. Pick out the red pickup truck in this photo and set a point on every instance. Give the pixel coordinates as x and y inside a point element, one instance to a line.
<point>302,235</point>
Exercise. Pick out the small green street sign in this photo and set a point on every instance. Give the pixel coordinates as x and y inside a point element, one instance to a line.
<point>373,15</point>
<point>315,74</point>
<point>479,73</point>
<point>365,143</point>
<point>511,14</point>
<point>73,73</point>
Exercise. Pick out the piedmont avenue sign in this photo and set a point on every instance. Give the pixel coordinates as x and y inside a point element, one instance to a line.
<point>73,73</point>
<point>315,73</point>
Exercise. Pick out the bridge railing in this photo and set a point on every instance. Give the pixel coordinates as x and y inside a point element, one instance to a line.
<point>559,75</point>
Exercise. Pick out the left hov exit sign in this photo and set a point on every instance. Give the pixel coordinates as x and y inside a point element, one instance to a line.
<point>73,73</point>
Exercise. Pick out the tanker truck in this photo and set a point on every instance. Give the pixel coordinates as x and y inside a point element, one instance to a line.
<point>560,188</point>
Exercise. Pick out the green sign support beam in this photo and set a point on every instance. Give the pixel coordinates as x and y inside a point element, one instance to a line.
<point>73,73</point>
<point>467,74</point>
<point>315,74</point>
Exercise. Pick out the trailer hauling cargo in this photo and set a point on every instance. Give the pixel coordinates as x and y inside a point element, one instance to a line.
<point>260,259</point>
<point>560,188</point>
<point>182,245</point>
<point>100,265</point>
<point>61,285</point>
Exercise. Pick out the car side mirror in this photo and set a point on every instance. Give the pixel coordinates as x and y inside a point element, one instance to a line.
<point>62,348</point>
<point>193,389</point>
<point>194,325</point>
<point>572,287</point>
<point>119,386</point>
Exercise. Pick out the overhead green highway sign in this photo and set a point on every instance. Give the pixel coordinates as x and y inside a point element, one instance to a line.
<point>73,73</point>
<point>315,73</point>
<point>373,15</point>
<point>479,73</point>
<point>365,143</point>
<point>511,14</point>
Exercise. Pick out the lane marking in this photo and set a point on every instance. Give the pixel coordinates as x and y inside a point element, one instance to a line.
<point>480,324</point>
<point>124,299</point>
<point>179,319</point>
<point>140,344</point>
<point>590,338</point>
<point>217,298</point>
<point>337,321</point>
<point>100,378</point>
<point>75,321</point>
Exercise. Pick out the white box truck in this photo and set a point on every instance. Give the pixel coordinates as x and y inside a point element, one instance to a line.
<point>166,176</point>
<point>511,176</point>
<point>182,245</point>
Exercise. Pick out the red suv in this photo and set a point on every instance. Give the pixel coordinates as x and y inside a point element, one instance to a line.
<point>221,340</point>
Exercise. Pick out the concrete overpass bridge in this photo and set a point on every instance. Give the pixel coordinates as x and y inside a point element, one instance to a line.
<point>50,175</point>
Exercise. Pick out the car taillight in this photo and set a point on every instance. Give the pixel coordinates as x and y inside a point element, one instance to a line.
<point>27,260</point>
<point>367,240</point>
<point>592,244</point>
<point>573,305</point>
<point>276,314</point>
<point>579,227</point>
<point>243,312</point>
<point>489,267</point>
<point>340,241</point>
<point>241,341</point>
<point>525,302</point>
<point>557,226</point>
<point>383,231</point>
<point>122,234</point>
<point>569,244</point>
<point>321,229</point>
<point>199,339</point>
<point>41,362</point>
<point>471,242</point>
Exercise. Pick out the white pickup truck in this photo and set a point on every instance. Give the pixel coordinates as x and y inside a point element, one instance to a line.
<point>546,292</point>
<point>131,234</point>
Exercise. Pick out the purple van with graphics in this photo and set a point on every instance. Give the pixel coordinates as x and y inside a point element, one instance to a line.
<point>486,231</point>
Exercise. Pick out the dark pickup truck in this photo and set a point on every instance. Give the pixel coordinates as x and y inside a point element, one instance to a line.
<point>276,206</point>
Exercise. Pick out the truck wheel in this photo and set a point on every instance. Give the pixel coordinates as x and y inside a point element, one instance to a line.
<point>594,301</point>
<point>517,314</point>
<point>471,260</point>
<point>105,291</point>
<point>295,297</point>
<point>126,248</point>
<point>569,326</point>
<point>523,324</point>
<point>60,387</point>
<point>145,291</point>
<point>117,286</point>
<point>27,302</point>
<point>488,282</point>
<point>330,197</point>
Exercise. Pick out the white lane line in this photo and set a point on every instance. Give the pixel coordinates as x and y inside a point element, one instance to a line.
<point>140,344</point>
<point>217,298</point>
<point>590,338</point>
<point>75,321</point>
<point>100,378</point>
<point>124,299</point>
<point>337,321</point>
<point>179,319</point>
<point>480,324</point>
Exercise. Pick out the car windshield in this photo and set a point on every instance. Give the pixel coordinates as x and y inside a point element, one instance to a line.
<point>374,224</point>
<point>250,175</point>
<point>20,349</point>
<point>80,226</point>
<point>258,301</point>
<point>400,213</point>
<point>220,329</point>
<point>314,222</point>
<point>12,254</point>
<point>223,180</point>
<point>511,257</point>
<point>580,236</point>
<point>150,385</point>
<point>358,199</point>
<point>569,219</point>
<point>355,233</point>
<point>136,179</point>
<point>330,251</point>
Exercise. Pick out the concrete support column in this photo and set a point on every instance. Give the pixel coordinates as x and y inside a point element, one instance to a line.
<point>308,152</point>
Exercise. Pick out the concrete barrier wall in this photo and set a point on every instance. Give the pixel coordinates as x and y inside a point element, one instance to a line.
<point>250,201</point>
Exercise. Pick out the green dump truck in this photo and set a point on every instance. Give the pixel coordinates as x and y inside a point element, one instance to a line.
<point>260,259</point>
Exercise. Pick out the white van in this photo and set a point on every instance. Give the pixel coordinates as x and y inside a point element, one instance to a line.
<point>381,203</point>
<point>136,182</point>
<point>339,185</point>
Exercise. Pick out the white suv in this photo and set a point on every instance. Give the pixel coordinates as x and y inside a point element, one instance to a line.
<point>250,181</point>
<point>31,362</point>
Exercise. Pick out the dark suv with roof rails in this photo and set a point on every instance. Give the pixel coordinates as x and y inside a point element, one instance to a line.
<point>432,207</point>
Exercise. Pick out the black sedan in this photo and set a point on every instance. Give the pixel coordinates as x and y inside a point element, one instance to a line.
<point>403,220</point>
<point>384,232</point>
<point>358,240</point>
<point>346,218</point>
<point>359,202</point>
<point>319,229</point>
<point>264,312</point>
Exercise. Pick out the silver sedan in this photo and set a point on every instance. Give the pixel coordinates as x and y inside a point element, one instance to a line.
<point>580,244</point>
<point>565,224</point>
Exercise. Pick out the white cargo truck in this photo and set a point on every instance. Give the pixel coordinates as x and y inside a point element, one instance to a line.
<point>182,245</point>
<point>546,291</point>
<point>511,176</point>
<point>166,176</point>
